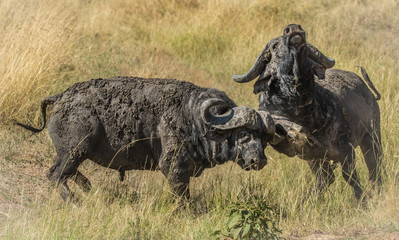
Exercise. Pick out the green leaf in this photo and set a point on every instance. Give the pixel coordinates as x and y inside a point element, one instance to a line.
<point>235,219</point>
<point>235,233</point>
<point>246,229</point>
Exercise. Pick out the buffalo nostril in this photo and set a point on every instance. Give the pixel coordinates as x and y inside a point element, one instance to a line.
<point>261,164</point>
<point>253,164</point>
<point>296,39</point>
<point>241,163</point>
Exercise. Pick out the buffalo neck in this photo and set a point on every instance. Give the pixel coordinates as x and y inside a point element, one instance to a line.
<point>222,151</point>
<point>294,94</point>
<point>205,150</point>
<point>304,100</point>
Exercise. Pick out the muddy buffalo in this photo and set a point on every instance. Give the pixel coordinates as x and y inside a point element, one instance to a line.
<point>128,123</point>
<point>321,114</point>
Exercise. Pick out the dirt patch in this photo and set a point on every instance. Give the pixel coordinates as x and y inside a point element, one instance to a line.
<point>354,234</point>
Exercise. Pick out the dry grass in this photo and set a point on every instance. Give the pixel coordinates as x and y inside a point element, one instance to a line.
<point>36,40</point>
<point>48,45</point>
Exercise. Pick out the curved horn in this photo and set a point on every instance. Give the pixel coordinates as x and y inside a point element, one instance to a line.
<point>256,68</point>
<point>319,57</point>
<point>234,118</point>
<point>208,117</point>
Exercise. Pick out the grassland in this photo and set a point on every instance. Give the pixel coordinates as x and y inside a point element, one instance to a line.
<point>45,46</point>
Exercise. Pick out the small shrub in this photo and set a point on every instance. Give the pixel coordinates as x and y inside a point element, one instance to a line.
<point>251,219</point>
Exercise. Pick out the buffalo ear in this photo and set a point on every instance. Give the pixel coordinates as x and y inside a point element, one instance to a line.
<point>217,136</point>
<point>320,72</point>
<point>318,69</point>
<point>261,85</point>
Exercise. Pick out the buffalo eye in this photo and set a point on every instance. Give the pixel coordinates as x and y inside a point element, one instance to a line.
<point>287,30</point>
<point>274,46</point>
<point>244,136</point>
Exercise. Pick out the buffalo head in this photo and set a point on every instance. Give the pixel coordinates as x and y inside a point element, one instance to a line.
<point>245,129</point>
<point>287,58</point>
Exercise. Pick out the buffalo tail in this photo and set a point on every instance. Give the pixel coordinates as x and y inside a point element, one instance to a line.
<point>369,83</point>
<point>45,102</point>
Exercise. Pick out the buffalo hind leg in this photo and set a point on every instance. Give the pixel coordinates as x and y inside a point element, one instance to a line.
<point>65,168</point>
<point>65,192</point>
<point>82,181</point>
<point>350,174</point>
<point>372,152</point>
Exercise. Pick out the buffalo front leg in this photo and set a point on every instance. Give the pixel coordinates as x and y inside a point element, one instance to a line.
<point>175,169</point>
<point>179,183</point>
<point>178,179</point>
<point>372,152</point>
<point>324,173</point>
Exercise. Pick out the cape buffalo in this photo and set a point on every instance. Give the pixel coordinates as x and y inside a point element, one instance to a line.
<point>127,123</point>
<point>321,114</point>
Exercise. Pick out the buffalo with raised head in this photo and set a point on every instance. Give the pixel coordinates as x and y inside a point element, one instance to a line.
<point>128,123</point>
<point>321,114</point>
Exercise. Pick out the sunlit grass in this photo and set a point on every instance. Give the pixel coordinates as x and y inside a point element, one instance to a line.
<point>48,45</point>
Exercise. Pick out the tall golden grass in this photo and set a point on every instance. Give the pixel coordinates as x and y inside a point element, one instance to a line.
<point>36,40</point>
<point>48,45</point>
